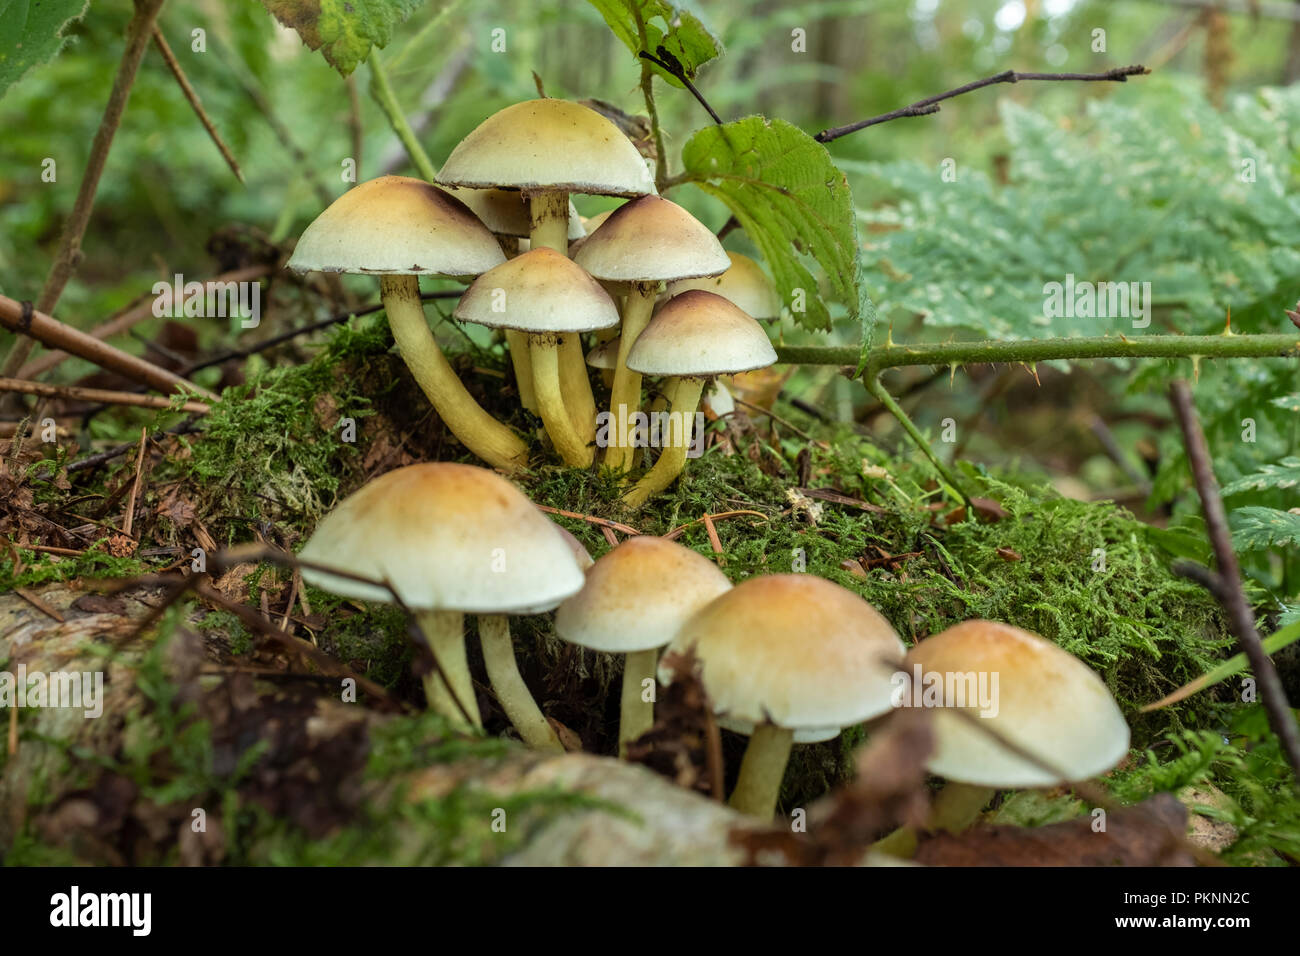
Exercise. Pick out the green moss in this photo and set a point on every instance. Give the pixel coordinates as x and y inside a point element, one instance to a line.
<point>41,569</point>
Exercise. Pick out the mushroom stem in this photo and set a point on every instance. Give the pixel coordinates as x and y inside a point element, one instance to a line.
<point>958,805</point>
<point>550,402</point>
<point>625,394</point>
<point>509,686</point>
<point>549,217</point>
<point>685,394</point>
<point>445,632</point>
<point>762,770</point>
<point>465,418</point>
<point>636,715</point>
<point>517,343</point>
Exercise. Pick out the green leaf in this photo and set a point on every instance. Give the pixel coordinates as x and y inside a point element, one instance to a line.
<point>1258,529</point>
<point>33,34</point>
<point>672,33</point>
<point>343,30</point>
<point>1288,403</point>
<point>792,201</point>
<point>1285,474</point>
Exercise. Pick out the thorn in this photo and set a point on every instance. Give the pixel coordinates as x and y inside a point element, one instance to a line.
<point>1294,316</point>
<point>952,374</point>
<point>1227,328</point>
<point>1196,368</point>
<point>889,337</point>
<point>1033,370</point>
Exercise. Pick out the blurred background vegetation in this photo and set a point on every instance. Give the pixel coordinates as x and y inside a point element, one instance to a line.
<point>1134,181</point>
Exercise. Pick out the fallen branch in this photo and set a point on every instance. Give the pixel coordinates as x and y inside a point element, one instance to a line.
<point>20,317</point>
<point>1225,585</point>
<point>102,395</point>
<point>927,106</point>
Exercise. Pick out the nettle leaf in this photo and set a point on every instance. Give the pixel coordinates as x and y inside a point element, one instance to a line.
<point>792,201</point>
<point>33,34</point>
<point>1285,474</point>
<point>1258,529</point>
<point>672,33</point>
<point>343,30</point>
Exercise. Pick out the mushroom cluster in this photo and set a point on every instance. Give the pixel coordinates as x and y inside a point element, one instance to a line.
<point>649,286</point>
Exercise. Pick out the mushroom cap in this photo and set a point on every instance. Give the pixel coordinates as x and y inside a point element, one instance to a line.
<point>505,211</point>
<point>547,144</point>
<point>649,240</point>
<point>1048,702</point>
<point>396,225</point>
<point>811,735</point>
<point>637,595</point>
<point>744,283</point>
<point>604,355</point>
<point>700,334</point>
<point>540,291</point>
<point>718,400</point>
<point>792,649</point>
<point>446,537</point>
<point>580,553</point>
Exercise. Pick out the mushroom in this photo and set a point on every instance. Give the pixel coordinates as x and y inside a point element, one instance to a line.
<point>694,337</point>
<point>622,610</point>
<point>505,212</point>
<point>397,228</point>
<point>644,242</point>
<point>550,298</point>
<point>744,283</point>
<point>1048,703</point>
<point>549,148</point>
<point>452,540</point>
<point>604,357</point>
<point>783,653</point>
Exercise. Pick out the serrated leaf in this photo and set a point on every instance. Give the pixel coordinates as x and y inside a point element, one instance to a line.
<point>792,201</point>
<point>33,34</point>
<point>343,30</point>
<point>1285,474</point>
<point>670,29</point>
<point>1259,529</point>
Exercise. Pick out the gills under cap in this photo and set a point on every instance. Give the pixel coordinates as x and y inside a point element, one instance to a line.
<point>446,537</point>
<point>792,649</point>
<point>698,334</point>
<point>396,225</point>
<point>1048,702</point>
<point>549,144</point>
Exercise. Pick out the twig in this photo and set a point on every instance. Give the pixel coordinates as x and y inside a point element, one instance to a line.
<point>20,317</point>
<point>1225,585</point>
<point>99,458</point>
<point>666,61</point>
<point>102,395</point>
<point>140,312</point>
<point>711,519</point>
<point>69,255</point>
<point>590,519</point>
<point>195,103</point>
<point>128,520</point>
<point>927,106</point>
<point>1250,8</point>
<point>35,601</point>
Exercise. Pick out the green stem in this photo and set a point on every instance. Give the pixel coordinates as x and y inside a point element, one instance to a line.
<point>882,395</point>
<point>636,715</point>
<point>453,697</point>
<point>762,770</point>
<point>509,686</point>
<point>1271,345</point>
<point>383,95</point>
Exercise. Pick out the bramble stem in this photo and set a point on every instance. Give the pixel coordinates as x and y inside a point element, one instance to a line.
<point>383,95</point>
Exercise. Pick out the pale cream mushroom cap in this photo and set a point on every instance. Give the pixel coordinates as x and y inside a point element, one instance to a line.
<point>649,240</point>
<point>1048,702</point>
<point>540,291</point>
<point>549,144</point>
<point>744,283</point>
<point>637,595</point>
<point>505,211</point>
<point>446,537</point>
<point>396,225</point>
<point>699,334</point>
<point>792,649</point>
<point>604,355</point>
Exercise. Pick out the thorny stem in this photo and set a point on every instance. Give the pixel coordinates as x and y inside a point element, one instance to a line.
<point>68,258</point>
<point>1226,584</point>
<point>383,95</point>
<point>881,394</point>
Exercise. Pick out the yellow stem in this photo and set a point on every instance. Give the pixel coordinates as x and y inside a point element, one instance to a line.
<point>550,402</point>
<point>761,771</point>
<point>636,715</point>
<point>445,632</point>
<point>512,693</point>
<point>685,394</point>
<point>625,394</point>
<point>465,418</point>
